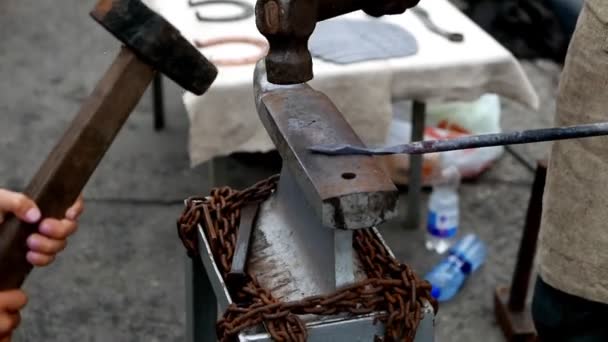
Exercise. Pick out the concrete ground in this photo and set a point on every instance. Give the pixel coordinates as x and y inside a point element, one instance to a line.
<point>121,279</point>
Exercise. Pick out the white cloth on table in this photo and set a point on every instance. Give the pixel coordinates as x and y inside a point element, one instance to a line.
<point>225,120</point>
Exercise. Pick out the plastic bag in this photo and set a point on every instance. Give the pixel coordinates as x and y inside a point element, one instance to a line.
<point>448,121</point>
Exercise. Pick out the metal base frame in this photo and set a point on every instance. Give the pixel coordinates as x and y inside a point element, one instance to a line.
<point>517,326</point>
<point>207,295</point>
<point>201,303</point>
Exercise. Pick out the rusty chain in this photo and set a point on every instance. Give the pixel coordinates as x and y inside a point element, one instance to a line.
<point>392,289</point>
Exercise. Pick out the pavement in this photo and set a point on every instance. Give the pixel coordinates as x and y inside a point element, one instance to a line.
<point>122,276</point>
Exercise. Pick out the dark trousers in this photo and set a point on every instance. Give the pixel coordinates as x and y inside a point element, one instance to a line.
<point>559,316</point>
<point>567,11</point>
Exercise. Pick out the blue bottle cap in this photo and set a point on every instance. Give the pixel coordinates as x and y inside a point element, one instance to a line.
<point>435,292</point>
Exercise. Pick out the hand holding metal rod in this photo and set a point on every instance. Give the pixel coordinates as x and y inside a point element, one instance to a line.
<point>484,140</point>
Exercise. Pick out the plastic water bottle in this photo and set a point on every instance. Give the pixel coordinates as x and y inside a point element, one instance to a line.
<point>464,258</point>
<point>444,212</point>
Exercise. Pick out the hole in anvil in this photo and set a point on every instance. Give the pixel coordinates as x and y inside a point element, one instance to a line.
<point>349,175</point>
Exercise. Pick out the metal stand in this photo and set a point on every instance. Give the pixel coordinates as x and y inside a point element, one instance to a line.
<point>201,303</point>
<point>158,103</point>
<point>415,178</point>
<point>512,312</point>
<point>301,244</point>
<point>204,280</point>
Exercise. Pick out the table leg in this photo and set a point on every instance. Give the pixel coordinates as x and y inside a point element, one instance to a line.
<point>158,102</point>
<point>415,177</point>
<point>201,304</point>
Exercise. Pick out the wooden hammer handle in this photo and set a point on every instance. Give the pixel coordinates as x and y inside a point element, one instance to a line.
<point>68,168</point>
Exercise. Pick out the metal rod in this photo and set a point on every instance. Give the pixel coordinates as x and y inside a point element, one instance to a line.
<point>158,101</point>
<point>520,159</point>
<point>527,247</point>
<point>484,140</point>
<point>414,189</point>
<point>237,277</point>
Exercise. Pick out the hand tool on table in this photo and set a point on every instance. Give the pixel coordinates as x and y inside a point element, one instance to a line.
<point>246,10</point>
<point>151,44</point>
<point>475,141</point>
<point>425,17</point>
<point>260,44</point>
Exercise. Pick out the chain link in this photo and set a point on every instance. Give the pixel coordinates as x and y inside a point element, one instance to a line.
<point>391,289</point>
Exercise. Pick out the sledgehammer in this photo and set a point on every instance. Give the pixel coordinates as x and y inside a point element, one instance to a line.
<point>151,44</point>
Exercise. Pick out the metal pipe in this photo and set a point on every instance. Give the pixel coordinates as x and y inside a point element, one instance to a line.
<point>158,103</point>
<point>527,247</point>
<point>484,140</point>
<point>414,191</point>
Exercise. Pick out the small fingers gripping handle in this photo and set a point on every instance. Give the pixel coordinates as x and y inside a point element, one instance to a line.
<point>14,267</point>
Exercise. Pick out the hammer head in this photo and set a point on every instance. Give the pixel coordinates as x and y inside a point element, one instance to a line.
<point>388,7</point>
<point>288,25</point>
<point>157,42</point>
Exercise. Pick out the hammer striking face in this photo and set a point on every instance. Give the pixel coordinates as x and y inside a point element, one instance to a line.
<point>288,24</point>
<point>156,42</point>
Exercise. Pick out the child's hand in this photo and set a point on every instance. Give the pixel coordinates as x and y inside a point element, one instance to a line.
<point>52,233</point>
<point>10,303</point>
<point>44,245</point>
